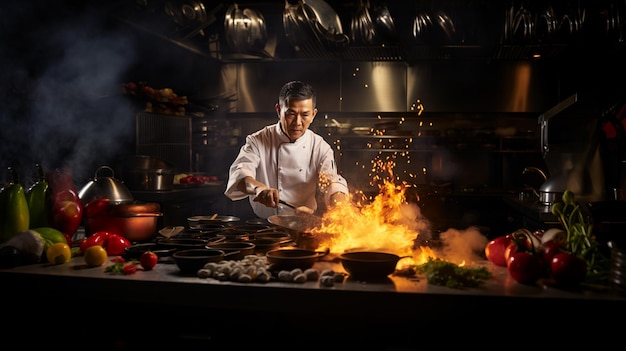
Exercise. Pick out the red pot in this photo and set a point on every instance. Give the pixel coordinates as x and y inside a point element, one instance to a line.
<point>134,221</point>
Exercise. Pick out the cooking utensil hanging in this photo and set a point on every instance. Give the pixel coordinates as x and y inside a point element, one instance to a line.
<point>191,16</point>
<point>245,29</point>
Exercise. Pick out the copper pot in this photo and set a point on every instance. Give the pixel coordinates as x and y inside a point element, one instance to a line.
<point>134,221</point>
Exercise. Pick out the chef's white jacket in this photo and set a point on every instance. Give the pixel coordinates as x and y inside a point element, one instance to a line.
<point>296,169</point>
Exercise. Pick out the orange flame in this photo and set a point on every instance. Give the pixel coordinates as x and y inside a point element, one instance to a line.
<point>387,223</point>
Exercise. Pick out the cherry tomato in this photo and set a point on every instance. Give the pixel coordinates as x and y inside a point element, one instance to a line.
<point>494,250</point>
<point>148,260</point>
<point>547,250</point>
<point>129,268</point>
<point>567,269</point>
<point>510,250</point>
<point>525,267</point>
<point>187,180</point>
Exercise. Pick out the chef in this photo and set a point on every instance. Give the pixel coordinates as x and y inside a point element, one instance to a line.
<point>287,161</point>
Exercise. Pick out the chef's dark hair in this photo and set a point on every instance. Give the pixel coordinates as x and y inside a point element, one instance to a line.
<point>296,90</point>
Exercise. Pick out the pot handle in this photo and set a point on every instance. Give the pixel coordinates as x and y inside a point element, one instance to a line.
<point>226,254</point>
<point>319,254</point>
<point>102,168</point>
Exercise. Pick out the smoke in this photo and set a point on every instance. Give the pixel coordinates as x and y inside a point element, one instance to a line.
<point>462,245</point>
<point>61,102</point>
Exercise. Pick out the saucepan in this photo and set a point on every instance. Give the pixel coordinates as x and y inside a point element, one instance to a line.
<point>369,265</point>
<point>292,258</point>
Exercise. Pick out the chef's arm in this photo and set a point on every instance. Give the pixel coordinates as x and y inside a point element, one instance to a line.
<point>251,186</point>
<point>338,197</point>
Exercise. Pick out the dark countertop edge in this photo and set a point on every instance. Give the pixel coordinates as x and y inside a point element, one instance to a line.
<point>204,311</point>
<point>180,292</point>
<point>175,298</point>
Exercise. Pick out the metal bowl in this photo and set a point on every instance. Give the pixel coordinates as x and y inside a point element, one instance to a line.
<point>190,261</point>
<point>240,248</point>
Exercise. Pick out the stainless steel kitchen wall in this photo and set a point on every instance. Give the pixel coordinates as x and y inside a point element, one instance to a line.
<point>471,86</point>
<point>364,86</point>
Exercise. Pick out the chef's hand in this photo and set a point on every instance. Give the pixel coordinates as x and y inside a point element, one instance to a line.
<point>267,196</point>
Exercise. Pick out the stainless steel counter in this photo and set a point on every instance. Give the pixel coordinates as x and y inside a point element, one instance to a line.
<point>203,311</point>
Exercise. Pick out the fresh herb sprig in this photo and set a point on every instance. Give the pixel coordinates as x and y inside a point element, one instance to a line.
<point>580,238</point>
<point>441,272</point>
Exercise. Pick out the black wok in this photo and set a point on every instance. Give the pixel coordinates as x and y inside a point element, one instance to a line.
<point>295,223</point>
<point>369,265</point>
<point>292,258</point>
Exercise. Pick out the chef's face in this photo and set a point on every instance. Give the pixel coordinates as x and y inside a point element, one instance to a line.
<point>296,117</point>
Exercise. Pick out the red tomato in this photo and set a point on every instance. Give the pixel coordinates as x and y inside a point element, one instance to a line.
<point>129,268</point>
<point>568,269</point>
<point>547,250</point>
<point>510,250</point>
<point>97,238</point>
<point>494,250</point>
<point>213,178</point>
<point>148,260</point>
<point>525,267</point>
<point>147,90</point>
<point>116,245</point>
<point>187,180</point>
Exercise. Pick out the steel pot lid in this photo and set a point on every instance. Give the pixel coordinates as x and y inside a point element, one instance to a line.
<point>105,187</point>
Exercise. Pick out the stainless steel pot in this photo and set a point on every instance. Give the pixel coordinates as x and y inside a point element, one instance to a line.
<point>150,179</point>
<point>105,187</point>
<point>141,172</point>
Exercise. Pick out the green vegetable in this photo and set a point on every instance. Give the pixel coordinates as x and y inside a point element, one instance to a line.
<point>36,199</point>
<point>440,272</point>
<point>15,217</point>
<point>580,240</point>
<point>50,236</point>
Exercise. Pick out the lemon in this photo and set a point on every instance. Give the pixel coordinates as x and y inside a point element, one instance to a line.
<point>95,256</point>
<point>58,253</point>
